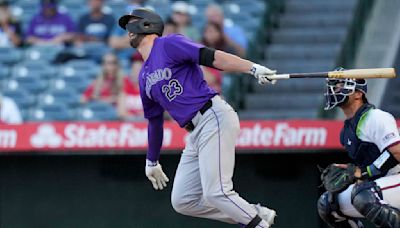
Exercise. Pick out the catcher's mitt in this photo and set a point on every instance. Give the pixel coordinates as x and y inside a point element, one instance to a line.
<point>336,179</point>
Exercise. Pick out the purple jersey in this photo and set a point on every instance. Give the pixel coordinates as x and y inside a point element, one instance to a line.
<point>48,28</point>
<point>172,80</point>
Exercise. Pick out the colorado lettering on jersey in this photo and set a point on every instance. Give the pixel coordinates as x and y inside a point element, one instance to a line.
<point>156,76</point>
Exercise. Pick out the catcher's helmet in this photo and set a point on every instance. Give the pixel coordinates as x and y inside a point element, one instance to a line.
<point>148,22</point>
<point>338,90</point>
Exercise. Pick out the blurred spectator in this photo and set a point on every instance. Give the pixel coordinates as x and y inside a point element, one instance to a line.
<point>95,26</point>
<point>134,4</point>
<point>214,36</point>
<point>131,106</point>
<point>9,112</point>
<point>170,27</point>
<point>137,62</point>
<point>215,14</point>
<point>112,87</point>
<point>10,29</point>
<point>119,39</point>
<point>50,26</point>
<point>180,15</point>
<point>213,78</point>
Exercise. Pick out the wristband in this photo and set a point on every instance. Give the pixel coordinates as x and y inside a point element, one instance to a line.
<point>253,69</point>
<point>151,163</point>
<point>370,171</point>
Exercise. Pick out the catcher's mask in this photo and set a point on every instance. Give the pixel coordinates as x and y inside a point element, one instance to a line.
<point>148,22</point>
<point>338,90</point>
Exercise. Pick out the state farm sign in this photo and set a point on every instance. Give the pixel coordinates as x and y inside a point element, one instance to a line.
<point>132,137</point>
<point>8,138</point>
<point>80,135</point>
<point>282,134</point>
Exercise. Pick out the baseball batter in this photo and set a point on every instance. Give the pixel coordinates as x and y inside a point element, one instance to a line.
<point>171,80</point>
<point>371,138</point>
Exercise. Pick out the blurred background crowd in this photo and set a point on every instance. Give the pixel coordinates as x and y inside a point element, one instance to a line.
<point>69,60</point>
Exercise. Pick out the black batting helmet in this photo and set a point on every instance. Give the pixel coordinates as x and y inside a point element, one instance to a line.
<point>149,22</point>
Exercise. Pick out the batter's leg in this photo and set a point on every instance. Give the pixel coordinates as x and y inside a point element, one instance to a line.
<point>187,193</point>
<point>216,144</point>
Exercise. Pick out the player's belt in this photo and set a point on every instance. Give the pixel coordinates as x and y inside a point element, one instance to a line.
<point>190,126</point>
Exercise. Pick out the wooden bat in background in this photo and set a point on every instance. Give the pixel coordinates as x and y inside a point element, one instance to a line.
<point>355,74</point>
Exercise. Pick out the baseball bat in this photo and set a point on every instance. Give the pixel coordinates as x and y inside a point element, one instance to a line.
<point>355,74</point>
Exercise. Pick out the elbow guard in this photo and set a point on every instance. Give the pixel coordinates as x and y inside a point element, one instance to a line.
<point>207,57</point>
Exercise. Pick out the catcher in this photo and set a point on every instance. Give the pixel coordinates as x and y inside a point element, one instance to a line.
<point>370,186</point>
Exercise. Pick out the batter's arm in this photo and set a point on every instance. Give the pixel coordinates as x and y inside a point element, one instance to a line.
<point>155,135</point>
<point>232,63</point>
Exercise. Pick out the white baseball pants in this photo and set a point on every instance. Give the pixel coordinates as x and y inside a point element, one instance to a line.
<point>203,184</point>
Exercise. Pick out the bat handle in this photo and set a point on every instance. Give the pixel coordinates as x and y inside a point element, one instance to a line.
<point>279,76</point>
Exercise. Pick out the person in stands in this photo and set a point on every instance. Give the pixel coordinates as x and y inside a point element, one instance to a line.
<point>95,25</point>
<point>9,112</point>
<point>111,86</point>
<point>50,26</point>
<point>10,28</point>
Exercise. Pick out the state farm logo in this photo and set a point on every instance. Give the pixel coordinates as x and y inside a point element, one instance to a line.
<point>282,135</point>
<point>8,138</point>
<point>94,136</point>
<point>46,136</point>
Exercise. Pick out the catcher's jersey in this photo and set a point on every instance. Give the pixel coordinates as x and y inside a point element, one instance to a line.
<point>368,134</point>
<point>171,79</point>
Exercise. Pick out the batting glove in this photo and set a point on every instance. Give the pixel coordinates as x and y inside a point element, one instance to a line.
<point>156,175</point>
<point>262,73</point>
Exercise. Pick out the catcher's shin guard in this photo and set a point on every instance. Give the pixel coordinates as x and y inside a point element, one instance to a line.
<point>366,197</point>
<point>329,211</point>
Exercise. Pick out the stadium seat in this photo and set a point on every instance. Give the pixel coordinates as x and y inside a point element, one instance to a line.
<point>71,83</point>
<point>4,72</point>
<point>74,8</point>
<point>96,111</point>
<point>21,97</point>
<point>309,35</point>
<point>28,4</point>
<point>279,51</point>
<point>95,50</point>
<point>9,55</point>
<point>278,114</point>
<point>21,72</point>
<point>66,97</point>
<point>30,84</point>
<point>256,9</point>
<point>45,69</point>
<point>310,21</point>
<point>302,65</point>
<point>325,6</point>
<point>277,101</point>
<point>81,68</point>
<point>52,112</point>
<point>291,86</point>
<point>117,5</point>
<point>201,3</point>
<point>43,52</point>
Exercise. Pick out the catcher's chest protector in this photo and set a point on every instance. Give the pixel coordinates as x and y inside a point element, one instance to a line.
<point>362,153</point>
